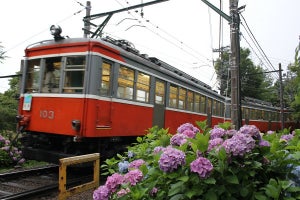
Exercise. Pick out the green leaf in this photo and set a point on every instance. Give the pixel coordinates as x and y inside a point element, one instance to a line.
<point>176,188</point>
<point>210,181</point>
<point>244,192</point>
<point>183,178</point>
<point>178,197</point>
<point>211,195</point>
<point>260,196</point>
<point>232,179</point>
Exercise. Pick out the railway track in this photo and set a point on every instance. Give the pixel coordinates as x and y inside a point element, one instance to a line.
<point>29,184</point>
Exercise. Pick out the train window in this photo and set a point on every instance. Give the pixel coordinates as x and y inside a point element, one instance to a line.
<point>142,87</point>
<point>214,107</point>
<point>125,83</point>
<point>197,103</point>
<point>51,75</point>
<point>105,83</point>
<point>33,76</point>
<point>209,105</point>
<point>74,74</point>
<point>182,101</point>
<point>202,104</point>
<point>159,92</point>
<point>173,96</point>
<point>190,100</point>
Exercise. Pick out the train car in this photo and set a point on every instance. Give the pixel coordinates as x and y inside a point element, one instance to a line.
<point>82,95</point>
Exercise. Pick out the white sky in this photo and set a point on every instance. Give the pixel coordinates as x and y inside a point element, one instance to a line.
<point>179,32</point>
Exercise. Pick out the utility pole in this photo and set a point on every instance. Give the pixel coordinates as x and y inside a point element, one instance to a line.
<point>281,98</point>
<point>234,21</point>
<point>236,115</point>
<point>87,26</point>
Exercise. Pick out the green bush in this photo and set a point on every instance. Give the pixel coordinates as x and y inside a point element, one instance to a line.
<point>218,163</point>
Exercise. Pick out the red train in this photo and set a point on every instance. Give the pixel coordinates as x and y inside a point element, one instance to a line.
<point>95,95</point>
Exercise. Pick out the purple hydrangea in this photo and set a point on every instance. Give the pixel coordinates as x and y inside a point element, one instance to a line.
<point>239,144</point>
<point>189,133</point>
<point>130,154</point>
<point>202,166</point>
<point>213,143</point>
<point>287,137</point>
<point>251,130</point>
<point>136,164</point>
<point>270,132</point>
<point>123,192</point>
<point>217,133</point>
<point>187,126</point>
<point>114,181</point>
<point>133,176</point>
<point>178,139</point>
<point>158,149</point>
<point>264,143</point>
<point>153,191</point>
<point>171,159</point>
<point>231,132</point>
<point>102,193</point>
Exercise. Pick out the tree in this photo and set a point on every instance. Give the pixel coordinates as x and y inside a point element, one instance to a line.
<point>2,52</point>
<point>254,82</point>
<point>295,68</point>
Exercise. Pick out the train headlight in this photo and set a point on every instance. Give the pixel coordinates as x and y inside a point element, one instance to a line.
<point>76,124</point>
<point>56,31</point>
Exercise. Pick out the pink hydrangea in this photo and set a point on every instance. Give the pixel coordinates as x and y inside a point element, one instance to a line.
<point>217,133</point>
<point>123,192</point>
<point>178,139</point>
<point>189,133</point>
<point>171,159</point>
<point>136,164</point>
<point>202,166</point>
<point>187,126</point>
<point>114,181</point>
<point>158,149</point>
<point>102,193</point>
<point>239,144</point>
<point>133,176</point>
<point>213,143</point>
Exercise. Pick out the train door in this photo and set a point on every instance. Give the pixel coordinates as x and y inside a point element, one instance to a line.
<point>159,104</point>
<point>209,112</point>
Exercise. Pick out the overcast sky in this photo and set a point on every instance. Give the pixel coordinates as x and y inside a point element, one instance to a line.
<point>181,33</point>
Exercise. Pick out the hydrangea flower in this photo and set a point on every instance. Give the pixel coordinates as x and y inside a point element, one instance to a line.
<point>130,154</point>
<point>102,193</point>
<point>264,143</point>
<point>202,166</point>
<point>123,166</point>
<point>153,191</point>
<point>136,164</point>
<point>171,159</point>
<point>123,192</point>
<point>187,126</point>
<point>114,181</point>
<point>178,139</point>
<point>217,133</point>
<point>239,144</point>
<point>133,176</point>
<point>189,133</point>
<point>213,143</point>
<point>270,132</point>
<point>158,149</point>
<point>287,137</point>
<point>251,130</point>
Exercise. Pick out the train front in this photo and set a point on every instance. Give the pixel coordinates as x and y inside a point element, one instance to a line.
<point>52,97</point>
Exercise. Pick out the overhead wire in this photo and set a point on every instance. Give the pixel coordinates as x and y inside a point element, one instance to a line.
<point>251,35</point>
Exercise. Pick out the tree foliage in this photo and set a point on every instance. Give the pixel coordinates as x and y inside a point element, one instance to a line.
<point>295,68</point>
<point>254,82</point>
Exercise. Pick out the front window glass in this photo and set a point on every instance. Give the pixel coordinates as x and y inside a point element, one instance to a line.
<point>173,96</point>
<point>74,74</point>
<point>33,76</point>
<point>51,75</point>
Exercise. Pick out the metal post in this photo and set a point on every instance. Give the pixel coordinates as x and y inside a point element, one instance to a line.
<point>235,63</point>
<point>281,98</point>
<point>87,26</point>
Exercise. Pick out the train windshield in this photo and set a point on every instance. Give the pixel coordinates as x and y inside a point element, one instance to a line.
<point>55,75</point>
